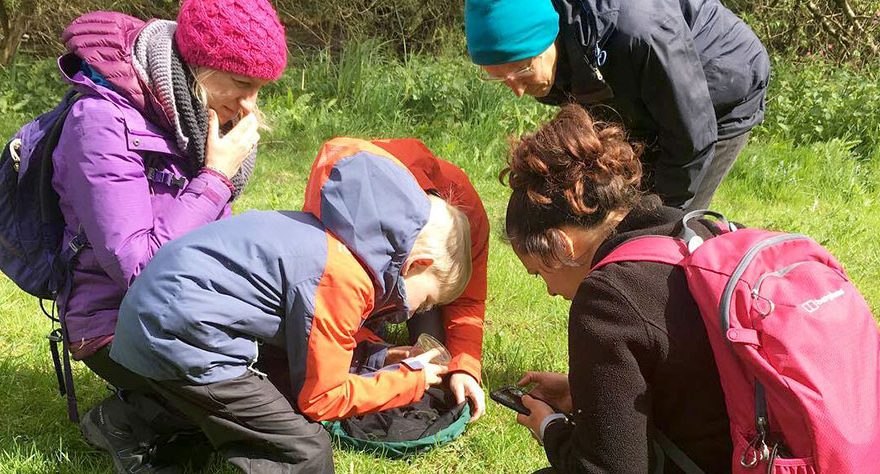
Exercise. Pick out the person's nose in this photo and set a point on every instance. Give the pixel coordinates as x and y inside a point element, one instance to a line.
<point>517,88</point>
<point>248,103</point>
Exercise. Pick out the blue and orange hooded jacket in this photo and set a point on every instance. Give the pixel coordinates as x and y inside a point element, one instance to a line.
<point>302,281</point>
<point>463,318</point>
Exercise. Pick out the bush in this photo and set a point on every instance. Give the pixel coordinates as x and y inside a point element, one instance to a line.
<point>830,29</point>
<point>815,102</point>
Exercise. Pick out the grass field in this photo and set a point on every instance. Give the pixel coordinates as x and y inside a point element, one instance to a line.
<point>826,187</point>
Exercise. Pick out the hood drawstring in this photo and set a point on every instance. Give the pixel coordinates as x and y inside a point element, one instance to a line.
<point>255,359</point>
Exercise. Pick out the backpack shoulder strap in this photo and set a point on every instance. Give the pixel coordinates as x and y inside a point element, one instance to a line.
<point>48,198</point>
<point>649,248</point>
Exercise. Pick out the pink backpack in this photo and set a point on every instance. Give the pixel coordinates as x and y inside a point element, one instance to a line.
<point>797,349</point>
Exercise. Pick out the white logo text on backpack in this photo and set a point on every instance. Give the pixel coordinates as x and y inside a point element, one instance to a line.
<point>812,306</point>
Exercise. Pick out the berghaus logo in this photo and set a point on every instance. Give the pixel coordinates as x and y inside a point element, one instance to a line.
<point>811,306</point>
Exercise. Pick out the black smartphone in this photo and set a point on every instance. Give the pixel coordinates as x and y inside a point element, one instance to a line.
<point>511,397</point>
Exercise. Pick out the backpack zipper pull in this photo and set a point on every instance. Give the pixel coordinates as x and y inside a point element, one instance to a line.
<point>14,149</point>
<point>773,453</point>
<point>757,450</point>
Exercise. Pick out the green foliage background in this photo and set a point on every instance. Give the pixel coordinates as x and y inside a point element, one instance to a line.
<point>812,167</point>
<point>793,28</point>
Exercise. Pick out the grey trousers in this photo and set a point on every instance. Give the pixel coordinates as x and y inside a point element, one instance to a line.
<point>726,152</point>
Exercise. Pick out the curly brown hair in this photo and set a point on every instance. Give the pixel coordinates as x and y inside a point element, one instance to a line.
<point>571,171</point>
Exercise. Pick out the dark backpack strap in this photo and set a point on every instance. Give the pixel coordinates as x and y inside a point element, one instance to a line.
<point>51,213</point>
<point>49,209</point>
<point>669,449</point>
<point>649,248</point>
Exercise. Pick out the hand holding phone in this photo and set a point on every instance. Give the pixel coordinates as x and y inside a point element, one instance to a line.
<point>511,397</point>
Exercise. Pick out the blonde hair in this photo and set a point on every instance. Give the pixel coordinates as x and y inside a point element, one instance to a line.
<point>446,239</point>
<point>200,74</point>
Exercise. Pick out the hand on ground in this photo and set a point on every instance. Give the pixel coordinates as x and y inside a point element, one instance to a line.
<point>463,386</point>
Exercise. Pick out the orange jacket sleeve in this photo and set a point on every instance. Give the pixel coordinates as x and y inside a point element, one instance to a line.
<point>343,299</point>
<point>464,316</point>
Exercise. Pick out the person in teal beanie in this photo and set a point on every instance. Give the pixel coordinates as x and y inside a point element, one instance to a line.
<point>686,78</point>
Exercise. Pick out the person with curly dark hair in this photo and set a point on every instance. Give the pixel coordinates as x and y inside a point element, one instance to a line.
<point>639,355</point>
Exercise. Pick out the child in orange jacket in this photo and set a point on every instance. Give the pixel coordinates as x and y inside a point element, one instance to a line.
<point>373,246</point>
<point>459,324</point>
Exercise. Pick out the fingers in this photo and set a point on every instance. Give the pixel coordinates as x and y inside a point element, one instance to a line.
<point>526,379</point>
<point>479,400</point>
<point>247,126</point>
<point>434,373</point>
<point>529,401</point>
<point>427,357</point>
<point>213,125</point>
<point>457,390</point>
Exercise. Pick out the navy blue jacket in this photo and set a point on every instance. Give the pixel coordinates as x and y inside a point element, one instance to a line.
<point>680,75</point>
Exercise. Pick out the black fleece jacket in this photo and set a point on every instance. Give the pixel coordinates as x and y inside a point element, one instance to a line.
<point>639,356</point>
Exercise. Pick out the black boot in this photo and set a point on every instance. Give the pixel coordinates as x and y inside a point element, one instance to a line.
<point>132,447</point>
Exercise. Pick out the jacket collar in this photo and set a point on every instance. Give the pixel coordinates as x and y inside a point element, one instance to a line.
<point>584,29</point>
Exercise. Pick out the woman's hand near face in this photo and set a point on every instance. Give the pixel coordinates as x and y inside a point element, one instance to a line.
<point>226,154</point>
<point>550,387</point>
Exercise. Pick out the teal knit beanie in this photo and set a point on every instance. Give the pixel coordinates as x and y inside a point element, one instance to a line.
<point>503,31</point>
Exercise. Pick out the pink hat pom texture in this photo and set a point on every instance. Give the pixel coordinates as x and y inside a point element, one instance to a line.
<point>239,36</point>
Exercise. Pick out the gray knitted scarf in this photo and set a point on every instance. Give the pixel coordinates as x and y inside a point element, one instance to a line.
<point>158,64</point>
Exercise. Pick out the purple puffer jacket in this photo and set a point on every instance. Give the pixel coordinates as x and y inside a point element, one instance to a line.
<point>120,177</point>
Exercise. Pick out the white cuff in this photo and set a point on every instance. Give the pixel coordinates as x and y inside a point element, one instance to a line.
<point>547,420</point>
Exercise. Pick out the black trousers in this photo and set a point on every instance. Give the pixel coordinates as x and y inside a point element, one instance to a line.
<point>246,418</point>
<point>144,406</point>
<point>726,153</point>
<point>428,322</point>
<point>253,425</point>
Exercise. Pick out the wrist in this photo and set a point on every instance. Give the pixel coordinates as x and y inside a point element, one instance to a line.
<point>546,422</point>
<point>221,175</point>
<point>217,171</point>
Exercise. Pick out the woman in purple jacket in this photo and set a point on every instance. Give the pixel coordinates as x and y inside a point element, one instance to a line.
<point>143,159</point>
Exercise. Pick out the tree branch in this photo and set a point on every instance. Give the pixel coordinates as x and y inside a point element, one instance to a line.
<point>4,19</point>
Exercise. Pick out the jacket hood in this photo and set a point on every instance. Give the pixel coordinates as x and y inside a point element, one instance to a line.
<point>369,201</point>
<point>105,40</point>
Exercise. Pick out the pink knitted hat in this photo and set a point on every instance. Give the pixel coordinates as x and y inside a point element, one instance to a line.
<point>238,36</point>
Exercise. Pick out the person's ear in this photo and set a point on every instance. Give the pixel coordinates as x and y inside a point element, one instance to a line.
<point>416,265</point>
<point>568,242</point>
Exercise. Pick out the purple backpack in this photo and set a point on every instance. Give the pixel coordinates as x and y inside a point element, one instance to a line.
<point>31,224</point>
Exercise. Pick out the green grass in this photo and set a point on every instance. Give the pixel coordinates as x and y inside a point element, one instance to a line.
<point>826,189</point>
